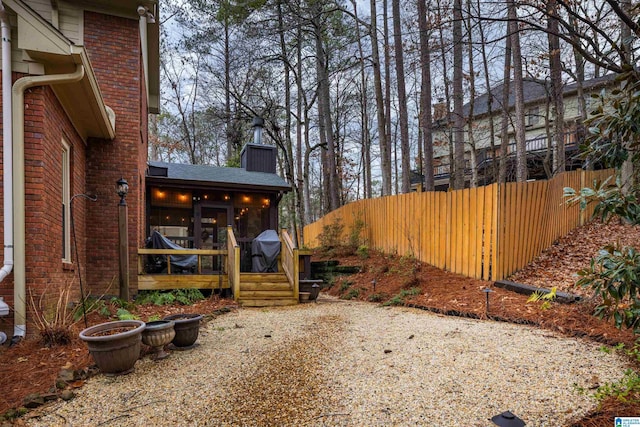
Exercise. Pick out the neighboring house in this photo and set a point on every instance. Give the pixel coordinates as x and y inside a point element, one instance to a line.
<point>538,125</point>
<point>79,79</point>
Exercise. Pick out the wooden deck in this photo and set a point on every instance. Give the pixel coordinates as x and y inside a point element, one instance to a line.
<point>249,289</point>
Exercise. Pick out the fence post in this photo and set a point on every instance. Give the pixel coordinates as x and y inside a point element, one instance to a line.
<point>583,212</point>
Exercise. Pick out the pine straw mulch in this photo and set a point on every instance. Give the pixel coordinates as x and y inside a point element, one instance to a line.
<point>30,367</point>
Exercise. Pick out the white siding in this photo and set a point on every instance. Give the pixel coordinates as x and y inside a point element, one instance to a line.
<point>71,22</point>
<point>43,7</point>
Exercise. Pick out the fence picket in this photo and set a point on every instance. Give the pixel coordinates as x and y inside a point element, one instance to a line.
<point>487,232</point>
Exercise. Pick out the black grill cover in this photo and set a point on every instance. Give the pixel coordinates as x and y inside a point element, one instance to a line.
<point>158,241</point>
<point>264,252</point>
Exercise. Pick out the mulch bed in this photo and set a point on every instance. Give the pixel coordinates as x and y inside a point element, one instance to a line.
<point>30,367</point>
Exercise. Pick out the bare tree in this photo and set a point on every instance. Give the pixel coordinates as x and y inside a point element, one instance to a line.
<point>402,99</point>
<point>458,96</point>
<point>521,148</point>
<point>426,118</point>
<point>555,70</point>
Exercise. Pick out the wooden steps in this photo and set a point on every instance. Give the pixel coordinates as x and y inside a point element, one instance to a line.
<point>265,290</point>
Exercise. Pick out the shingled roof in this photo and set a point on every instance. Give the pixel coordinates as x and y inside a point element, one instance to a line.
<point>534,90</point>
<point>214,176</point>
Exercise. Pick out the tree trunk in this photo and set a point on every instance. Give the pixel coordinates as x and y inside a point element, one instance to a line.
<point>326,127</point>
<point>458,116</point>
<point>472,97</point>
<point>504,125</point>
<point>387,96</point>
<point>521,147</point>
<point>426,119</point>
<point>555,69</point>
<point>492,138</point>
<point>366,138</point>
<point>385,154</point>
<point>402,100</point>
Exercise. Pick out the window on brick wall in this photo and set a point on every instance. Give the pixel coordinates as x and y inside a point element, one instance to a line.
<point>66,202</point>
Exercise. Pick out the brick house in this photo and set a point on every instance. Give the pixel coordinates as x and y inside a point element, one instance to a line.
<point>79,78</point>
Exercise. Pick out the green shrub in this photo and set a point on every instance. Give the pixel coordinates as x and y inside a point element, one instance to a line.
<point>363,251</point>
<point>375,297</point>
<point>331,236</point>
<point>345,285</point>
<point>614,275</point>
<point>355,233</point>
<point>402,295</point>
<point>182,296</point>
<point>352,294</point>
<point>124,314</point>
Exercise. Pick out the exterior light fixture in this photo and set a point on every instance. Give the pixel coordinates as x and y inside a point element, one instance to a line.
<point>507,419</point>
<point>122,188</point>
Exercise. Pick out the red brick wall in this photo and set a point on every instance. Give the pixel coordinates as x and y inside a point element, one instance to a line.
<point>113,45</point>
<point>46,125</point>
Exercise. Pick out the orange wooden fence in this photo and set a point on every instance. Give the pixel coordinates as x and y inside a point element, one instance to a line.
<point>486,232</point>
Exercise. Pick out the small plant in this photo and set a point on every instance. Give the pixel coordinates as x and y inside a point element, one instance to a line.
<point>625,390</point>
<point>355,233</point>
<point>331,236</point>
<point>124,314</point>
<point>352,294</point>
<point>188,296</point>
<point>363,251</point>
<point>614,276</point>
<point>120,303</point>
<point>375,297</point>
<point>546,297</point>
<point>54,321</point>
<point>345,285</point>
<point>401,296</point>
<point>91,304</point>
<point>182,296</point>
<point>154,318</point>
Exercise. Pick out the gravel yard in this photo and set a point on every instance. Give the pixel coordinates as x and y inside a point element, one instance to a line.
<point>340,363</point>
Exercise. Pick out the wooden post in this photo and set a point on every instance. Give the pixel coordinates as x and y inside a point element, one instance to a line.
<point>123,220</point>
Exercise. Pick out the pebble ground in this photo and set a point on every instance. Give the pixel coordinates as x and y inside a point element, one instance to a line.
<point>337,363</point>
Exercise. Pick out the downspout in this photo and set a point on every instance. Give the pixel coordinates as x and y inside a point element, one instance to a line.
<point>19,274</point>
<point>7,170</point>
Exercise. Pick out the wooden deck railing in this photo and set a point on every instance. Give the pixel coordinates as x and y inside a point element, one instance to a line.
<point>233,263</point>
<point>290,263</point>
<point>179,252</point>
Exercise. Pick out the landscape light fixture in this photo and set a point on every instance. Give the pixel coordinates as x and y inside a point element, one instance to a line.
<point>507,419</point>
<point>122,188</point>
<point>487,291</point>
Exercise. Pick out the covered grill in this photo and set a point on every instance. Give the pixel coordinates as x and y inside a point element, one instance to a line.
<point>264,252</point>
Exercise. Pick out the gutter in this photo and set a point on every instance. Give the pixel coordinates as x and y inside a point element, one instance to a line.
<point>7,169</point>
<point>19,279</point>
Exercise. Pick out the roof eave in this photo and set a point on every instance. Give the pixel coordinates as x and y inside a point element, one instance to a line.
<point>215,184</point>
<point>42,43</point>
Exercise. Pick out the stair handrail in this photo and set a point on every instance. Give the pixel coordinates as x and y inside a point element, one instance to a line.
<point>290,262</point>
<point>233,263</point>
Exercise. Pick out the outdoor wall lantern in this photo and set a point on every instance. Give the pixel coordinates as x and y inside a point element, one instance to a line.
<point>122,188</point>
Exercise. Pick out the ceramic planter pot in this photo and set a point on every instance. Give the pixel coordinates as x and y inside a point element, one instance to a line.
<point>187,327</point>
<point>157,334</point>
<point>114,346</point>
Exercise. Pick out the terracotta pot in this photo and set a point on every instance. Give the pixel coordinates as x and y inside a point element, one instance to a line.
<point>115,346</point>
<point>187,327</point>
<point>157,334</point>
